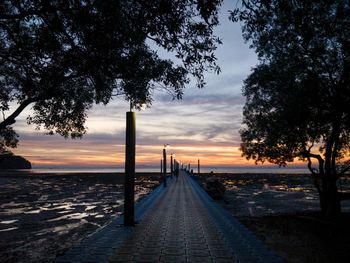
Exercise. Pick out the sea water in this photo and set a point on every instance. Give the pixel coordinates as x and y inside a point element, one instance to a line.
<point>203,169</point>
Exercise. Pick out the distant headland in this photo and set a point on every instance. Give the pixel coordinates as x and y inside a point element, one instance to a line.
<point>11,161</point>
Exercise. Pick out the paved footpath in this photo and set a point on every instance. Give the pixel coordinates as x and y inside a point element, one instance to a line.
<point>181,224</point>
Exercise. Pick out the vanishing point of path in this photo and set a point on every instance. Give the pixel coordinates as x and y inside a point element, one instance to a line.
<point>181,224</point>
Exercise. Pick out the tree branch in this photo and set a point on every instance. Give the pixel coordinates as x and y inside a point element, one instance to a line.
<point>334,155</point>
<point>309,166</point>
<point>331,148</point>
<point>307,154</point>
<point>37,12</point>
<point>316,176</point>
<point>12,118</point>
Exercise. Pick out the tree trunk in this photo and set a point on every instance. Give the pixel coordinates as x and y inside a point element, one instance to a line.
<point>329,198</point>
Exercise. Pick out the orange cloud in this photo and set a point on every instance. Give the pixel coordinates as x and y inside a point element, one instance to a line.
<point>87,153</point>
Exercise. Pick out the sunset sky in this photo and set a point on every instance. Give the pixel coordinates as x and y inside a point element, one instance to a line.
<point>203,125</point>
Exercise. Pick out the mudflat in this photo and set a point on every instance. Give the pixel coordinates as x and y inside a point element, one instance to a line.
<point>43,215</point>
<point>283,210</point>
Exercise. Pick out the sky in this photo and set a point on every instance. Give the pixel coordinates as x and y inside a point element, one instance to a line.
<point>204,124</point>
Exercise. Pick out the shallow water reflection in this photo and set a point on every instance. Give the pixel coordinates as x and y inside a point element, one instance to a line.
<point>42,216</point>
<point>269,194</point>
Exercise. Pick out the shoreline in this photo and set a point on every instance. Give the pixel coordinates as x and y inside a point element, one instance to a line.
<point>29,174</point>
<point>222,175</point>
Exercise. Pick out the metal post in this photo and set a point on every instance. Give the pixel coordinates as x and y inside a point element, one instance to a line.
<point>199,167</point>
<point>171,166</point>
<point>129,183</point>
<point>164,167</point>
<point>161,167</point>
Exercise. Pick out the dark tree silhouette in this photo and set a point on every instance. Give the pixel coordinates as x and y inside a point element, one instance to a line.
<point>60,57</point>
<point>298,96</point>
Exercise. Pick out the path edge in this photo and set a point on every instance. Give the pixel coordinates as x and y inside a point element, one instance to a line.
<point>101,244</point>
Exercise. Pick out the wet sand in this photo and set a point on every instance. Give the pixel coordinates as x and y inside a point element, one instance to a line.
<point>283,210</point>
<point>43,215</point>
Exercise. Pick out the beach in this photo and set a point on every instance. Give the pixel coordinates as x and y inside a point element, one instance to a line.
<point>43,215</point>
<point>283,211</point>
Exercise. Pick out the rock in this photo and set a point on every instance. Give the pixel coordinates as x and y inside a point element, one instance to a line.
<point>14,162</point>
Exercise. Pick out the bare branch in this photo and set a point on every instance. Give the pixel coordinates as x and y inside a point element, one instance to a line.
<point>309,166</point>
<point>308,155</point>
<point>12,118</point>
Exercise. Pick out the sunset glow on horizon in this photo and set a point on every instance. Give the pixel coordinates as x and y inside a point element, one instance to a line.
<point>80,153</point>
<point>204,125</point>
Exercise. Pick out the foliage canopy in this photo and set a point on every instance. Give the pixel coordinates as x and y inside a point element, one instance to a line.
<point>63,56</point>
<point>298,96</point>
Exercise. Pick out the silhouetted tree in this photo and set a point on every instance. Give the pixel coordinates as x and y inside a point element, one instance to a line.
<point>63,56</point>
<point>298,96</point>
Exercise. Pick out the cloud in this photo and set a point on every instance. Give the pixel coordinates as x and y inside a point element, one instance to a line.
<point>205,123</point>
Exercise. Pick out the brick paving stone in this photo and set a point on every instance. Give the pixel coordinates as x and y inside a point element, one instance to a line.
<point>182,224</point>
<point>121,258</point>
<point>216,245</point>
<point>147,251</point>
<point>151,244</point>
<point>197,243</point>
<point>175,251</point>
<point>172,259</point>
<point>197,247</point>
<point>220,253</point>
<point>194,259</point>
<point>180,240</point>
<point>174,244</point>
<point>198,252</point>
<point>223,260</point>
<point>147,258</point>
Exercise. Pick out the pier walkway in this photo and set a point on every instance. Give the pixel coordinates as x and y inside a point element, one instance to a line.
<point>179,223</point>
